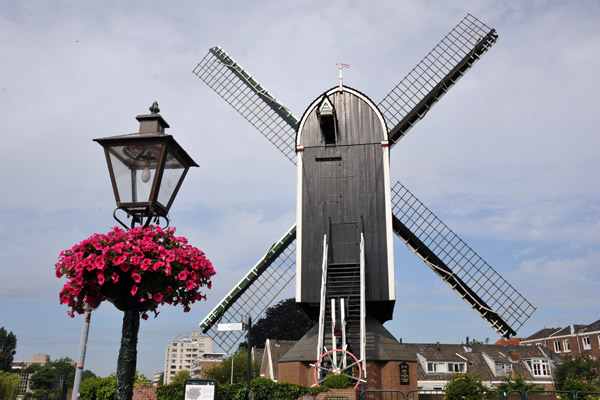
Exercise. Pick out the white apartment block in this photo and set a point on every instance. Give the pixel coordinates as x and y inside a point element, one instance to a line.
<point>182,352</point>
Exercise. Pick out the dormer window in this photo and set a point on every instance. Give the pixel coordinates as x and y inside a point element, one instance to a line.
<point>443,367</point>
<point>502,369</point>
<point>538,367</point>
<point>328,121</point>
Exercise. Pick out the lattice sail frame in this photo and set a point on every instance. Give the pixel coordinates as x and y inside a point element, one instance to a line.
<point>473,279</point>
<point>238,88</point>
<point>440,69</point>
<point>255,292</point>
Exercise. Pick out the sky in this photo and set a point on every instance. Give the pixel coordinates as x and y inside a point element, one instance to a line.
<point>509,158</point>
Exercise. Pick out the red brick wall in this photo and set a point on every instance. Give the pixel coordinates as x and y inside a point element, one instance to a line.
<point>144,393</point>
<point>380,374</point>
<point>296,372</point>
<point>386,375</point>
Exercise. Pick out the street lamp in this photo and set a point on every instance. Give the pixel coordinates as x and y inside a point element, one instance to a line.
<point>146,169</point>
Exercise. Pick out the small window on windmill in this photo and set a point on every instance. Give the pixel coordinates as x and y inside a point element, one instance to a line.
<point>327,121</point>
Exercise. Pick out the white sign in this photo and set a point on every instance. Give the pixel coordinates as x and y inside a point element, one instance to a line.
<point>200,392</point>
<point>235,326</point>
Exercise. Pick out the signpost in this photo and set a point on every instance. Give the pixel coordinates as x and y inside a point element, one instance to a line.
<point>234,326</point>
<point>245,325</point>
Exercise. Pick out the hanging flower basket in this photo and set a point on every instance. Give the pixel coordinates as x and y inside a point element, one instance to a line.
<point>138,270</point>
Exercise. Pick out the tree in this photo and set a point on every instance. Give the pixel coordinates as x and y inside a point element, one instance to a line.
<point>578,373</point>
<point>9,385</point>
<point>222,372</point>
<point>98,388</point>
<point>283,321</point>
<point>8,348</point>
<point>181,376</point>
<point>467,387</point>
<point>53,380</point>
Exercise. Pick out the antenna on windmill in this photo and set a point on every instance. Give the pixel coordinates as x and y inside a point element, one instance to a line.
<point>341,67</point>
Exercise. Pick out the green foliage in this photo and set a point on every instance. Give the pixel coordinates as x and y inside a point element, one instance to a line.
<point>53,380</point>
<point>181,376</point>
<point>32,368</point>
<point>284,321</point>
<point>486,341</point>
<point>87,374</point>
<point>265,389</point>
<point>222,372</point>
<point>141,380</point>
<point>173,391</point>
<point>98,388</point>
<point>580,385</point>
<point>581,368</point>
<point>8,348</point>
<point>337,381</point>
<point>517,383</point>
<point>467,387</point>
<point>9,385</point>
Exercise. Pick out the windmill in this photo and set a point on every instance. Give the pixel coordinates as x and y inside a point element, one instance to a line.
<point>347,210</point>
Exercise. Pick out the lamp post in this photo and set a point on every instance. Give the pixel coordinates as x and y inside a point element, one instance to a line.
<point>146,170</point>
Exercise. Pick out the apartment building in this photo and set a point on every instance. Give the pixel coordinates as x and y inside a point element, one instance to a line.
<point>572,340</point>
<point>183,351</point>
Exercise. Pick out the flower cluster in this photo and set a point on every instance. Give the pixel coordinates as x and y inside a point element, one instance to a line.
<point>159,268</point>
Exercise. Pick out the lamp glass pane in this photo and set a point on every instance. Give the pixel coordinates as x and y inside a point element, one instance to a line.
<point>134,168</point>
<point>172,174</point>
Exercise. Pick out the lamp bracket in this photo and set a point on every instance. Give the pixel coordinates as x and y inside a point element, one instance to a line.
<point>142,217</point>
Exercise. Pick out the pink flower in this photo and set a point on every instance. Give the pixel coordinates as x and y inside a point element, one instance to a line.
<point>120,260</point>
<point>157,265</point>
<point>150,251</point>
<point>146,264</point>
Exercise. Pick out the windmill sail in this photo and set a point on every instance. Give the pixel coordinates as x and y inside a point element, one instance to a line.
<point>412,98</point>
<point>488,293</point>
<point>238,88</point>
<point>255,292</point>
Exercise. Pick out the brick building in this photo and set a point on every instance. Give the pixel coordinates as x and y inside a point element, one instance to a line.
<point>572,340</point>
<point>491,363</point>
<point>428,366</point>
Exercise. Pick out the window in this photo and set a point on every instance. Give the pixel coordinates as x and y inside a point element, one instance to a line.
<point>445,367</point>
<point>557,346</point>
<point>567,345</point>
<point>456,367</point>
<point>502,369</point>
<point>538,367</point>
<point>587,344</point>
